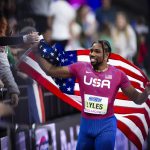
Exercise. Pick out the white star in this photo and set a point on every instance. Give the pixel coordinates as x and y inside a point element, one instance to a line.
<point>57,58</point>
<point>59,54</point>
<point>44,50</point>
<point>64,84</point>
<point>40,46</point>
<point>62,60</point>
<point>52,54</point>
<point>68,89</point>
<point>55,50</point>
<point>71,55</point>
<point>70,79</point>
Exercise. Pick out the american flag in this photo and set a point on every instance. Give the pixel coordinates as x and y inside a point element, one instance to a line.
<point>133,120</point>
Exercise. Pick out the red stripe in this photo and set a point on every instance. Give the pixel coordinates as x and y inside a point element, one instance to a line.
<point>139,124</point>
<point>42,103</point>
<point>77,93</point>
<point>137,85</point>
<point>83,52</point>
<point>129,110</point>
<point>148,103</point>
<point>121,96</point>
<point>131,136</point>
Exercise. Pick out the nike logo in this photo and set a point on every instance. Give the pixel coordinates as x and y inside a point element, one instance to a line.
<point>88,72</point>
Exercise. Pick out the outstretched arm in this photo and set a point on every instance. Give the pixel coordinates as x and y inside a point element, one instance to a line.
<point>49,69</point>
<point>28,38</point>
<point>135,96</point>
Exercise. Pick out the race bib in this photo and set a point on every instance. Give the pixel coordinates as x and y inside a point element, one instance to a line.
<point>95,104</point>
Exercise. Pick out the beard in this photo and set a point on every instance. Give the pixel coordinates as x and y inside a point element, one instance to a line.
<point>95,63</point>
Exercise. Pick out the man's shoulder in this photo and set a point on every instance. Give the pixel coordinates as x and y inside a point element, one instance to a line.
<point>114,68</point>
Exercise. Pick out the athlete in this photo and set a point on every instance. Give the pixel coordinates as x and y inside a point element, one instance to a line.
<point>99,84</point>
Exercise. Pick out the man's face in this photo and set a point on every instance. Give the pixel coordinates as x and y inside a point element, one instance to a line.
<point>96,54</point>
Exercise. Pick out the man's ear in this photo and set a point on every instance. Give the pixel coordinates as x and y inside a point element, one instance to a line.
<point>107,55</point>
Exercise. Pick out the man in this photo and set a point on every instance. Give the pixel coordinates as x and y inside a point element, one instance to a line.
<point>99,83</point>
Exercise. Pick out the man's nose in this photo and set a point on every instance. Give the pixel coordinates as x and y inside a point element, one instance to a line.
<point>92,53</point>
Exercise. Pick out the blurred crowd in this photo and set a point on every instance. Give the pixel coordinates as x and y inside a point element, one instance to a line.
<point>74,24</point>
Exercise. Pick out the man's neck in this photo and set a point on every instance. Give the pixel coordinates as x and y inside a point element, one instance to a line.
<point>101,68</point>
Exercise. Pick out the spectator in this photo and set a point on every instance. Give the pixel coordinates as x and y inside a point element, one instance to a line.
<point>105,14</point>
<point>74,42</point>
<point>77,3</point>
<point>124,37</point>
<point>38,10</point>
<point>29,82</point>
<point>140,26</point>
<point>143,51</point>
<point>61,21</point>
<point>5,72</point>
<point>8,7</point>
<point>87,21</point>
<point>105,34</point>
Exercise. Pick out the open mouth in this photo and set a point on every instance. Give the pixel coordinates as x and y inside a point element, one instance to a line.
<point>93,60</point>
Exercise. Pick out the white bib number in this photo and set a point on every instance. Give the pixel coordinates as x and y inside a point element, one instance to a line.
<point>95,104</point>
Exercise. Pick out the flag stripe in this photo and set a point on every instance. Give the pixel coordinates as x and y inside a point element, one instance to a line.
<point>35,89</point>
<point>140,124</point>
<point>43,119</point>
<point>119,110</point>
<point>129,133</point>
<point>132,125</point>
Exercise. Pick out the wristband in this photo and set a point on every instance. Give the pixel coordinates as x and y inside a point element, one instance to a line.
<point>25,38</point>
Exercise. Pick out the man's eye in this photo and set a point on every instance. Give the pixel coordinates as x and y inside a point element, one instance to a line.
<point>98,50</point>
<point>91,50</point>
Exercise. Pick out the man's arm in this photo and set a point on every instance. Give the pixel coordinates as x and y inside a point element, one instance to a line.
<point>51,70</point>
<point>135,96</point>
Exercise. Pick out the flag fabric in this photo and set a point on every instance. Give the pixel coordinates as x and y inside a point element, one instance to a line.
<point>35,102</point>
<point>133,120</point>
